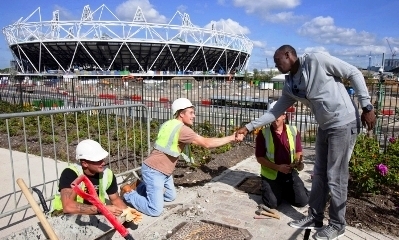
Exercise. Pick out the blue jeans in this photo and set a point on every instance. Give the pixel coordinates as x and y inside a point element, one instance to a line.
<point>151,193</point>
<point>331,173</point>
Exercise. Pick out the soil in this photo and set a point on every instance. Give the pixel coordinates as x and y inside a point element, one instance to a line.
<point>379,213</point>
<point>188,177</point>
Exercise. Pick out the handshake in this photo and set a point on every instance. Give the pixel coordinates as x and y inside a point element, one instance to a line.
<point>240,134</point>
<point>238,137</point>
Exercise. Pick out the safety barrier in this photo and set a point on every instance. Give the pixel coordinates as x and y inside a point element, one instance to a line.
<point>42,143</point>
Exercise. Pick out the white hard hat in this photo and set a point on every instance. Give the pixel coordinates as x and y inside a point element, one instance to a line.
<point>181,103</point>
<point>90,150</point>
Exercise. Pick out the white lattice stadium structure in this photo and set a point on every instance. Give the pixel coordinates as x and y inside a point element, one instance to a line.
<point>138,46</point>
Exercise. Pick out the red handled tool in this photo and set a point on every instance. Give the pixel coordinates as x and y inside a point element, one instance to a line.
<point>93,199</point>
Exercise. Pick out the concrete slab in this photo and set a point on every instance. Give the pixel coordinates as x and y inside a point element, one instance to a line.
<point>34,170</point>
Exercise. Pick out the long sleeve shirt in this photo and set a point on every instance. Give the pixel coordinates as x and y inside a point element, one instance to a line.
<point>319,86</point>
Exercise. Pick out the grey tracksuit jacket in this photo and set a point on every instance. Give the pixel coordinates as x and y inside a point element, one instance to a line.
<point>320,88</point>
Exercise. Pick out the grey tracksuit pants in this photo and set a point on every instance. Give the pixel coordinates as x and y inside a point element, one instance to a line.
<point>331,172</point>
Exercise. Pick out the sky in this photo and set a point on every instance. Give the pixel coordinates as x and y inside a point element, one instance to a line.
<point>355,30</point>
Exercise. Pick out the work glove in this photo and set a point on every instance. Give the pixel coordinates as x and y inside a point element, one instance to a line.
<point>132,215</point>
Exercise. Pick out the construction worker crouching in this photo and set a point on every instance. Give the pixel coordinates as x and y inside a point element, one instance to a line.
<point>279,151</point>
<point>157,184</point>
<point>91,156</point>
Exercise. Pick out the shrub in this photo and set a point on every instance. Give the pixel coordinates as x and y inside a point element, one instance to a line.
<point>371,170</point>
<point>202,155</point>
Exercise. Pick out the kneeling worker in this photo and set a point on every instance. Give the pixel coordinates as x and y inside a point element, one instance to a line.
<point>157,185</point>
<point>91,156</point>
<point>279,152</point>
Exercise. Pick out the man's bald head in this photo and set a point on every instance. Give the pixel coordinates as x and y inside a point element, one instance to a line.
<point>287,48</point>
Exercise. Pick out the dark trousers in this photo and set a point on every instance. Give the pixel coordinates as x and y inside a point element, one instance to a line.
<point>286,186</point>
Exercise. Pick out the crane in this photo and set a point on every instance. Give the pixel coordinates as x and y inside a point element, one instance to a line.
<point>393,52</point>
<point>369,56</point>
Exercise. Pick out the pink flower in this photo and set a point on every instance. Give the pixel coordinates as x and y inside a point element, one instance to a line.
<point>381,169</point>
<point>392,140</point>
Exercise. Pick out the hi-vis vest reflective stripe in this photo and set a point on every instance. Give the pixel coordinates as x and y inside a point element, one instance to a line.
<point>104,184</point>
<point>168,139</point>
<point>291,134</point>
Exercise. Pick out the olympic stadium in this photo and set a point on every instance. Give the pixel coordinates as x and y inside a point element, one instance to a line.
<point>99,43</point>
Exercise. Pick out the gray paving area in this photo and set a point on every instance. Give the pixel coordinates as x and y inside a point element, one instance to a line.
<point>217,201</point>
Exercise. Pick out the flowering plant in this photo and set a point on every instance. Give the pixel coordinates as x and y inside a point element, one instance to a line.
<point>374,168</point>
<point>381,169</point>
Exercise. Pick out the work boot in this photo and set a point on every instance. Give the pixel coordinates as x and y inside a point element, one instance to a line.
<point>129,187</point>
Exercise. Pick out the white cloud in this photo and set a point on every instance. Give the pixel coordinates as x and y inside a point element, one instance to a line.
<point>362,51</point>
<point>267,9</point>
<point>127,10</point>
<point>252,6</point>
<point>282,17</point>
<point>362,55</point>
<point>316,49</point>
<point>65,14</point>
<point>392,41</point>
<point>182,8</point>
<point>222,2</point>
<point>270,52</point>
<point>259,44</point>
<point>229,26</point>
<point>261,49</point>
<point>393,46</point>
<point>323,30</point>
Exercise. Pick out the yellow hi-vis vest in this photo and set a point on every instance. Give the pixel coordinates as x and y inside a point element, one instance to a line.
<point>291,134</point>
<point>104,184</point>
<point>168,140</point>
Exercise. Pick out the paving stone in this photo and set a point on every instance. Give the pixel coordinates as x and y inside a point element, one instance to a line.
<point>231,221</point>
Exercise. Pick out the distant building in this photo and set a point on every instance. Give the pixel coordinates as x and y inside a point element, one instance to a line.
<point>390,64</point>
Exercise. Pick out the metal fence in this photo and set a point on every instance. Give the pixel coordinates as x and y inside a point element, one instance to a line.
<point>39,144</point>
<point>158,95</point>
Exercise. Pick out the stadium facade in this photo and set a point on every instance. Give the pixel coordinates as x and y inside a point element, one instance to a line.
<point>101,43</point>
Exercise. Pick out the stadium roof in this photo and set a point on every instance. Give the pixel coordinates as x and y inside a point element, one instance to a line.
<point>99,40</point>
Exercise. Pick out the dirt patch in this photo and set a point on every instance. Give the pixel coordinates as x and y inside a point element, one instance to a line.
<point>188,177</point>
<point>379,213</point>
<point>251,185</point>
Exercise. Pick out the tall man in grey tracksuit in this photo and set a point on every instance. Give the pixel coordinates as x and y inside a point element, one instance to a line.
<point>315,79</point>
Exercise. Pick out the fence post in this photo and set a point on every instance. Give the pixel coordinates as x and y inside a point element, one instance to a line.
<point>380,98</point>
<point>20,92</point>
